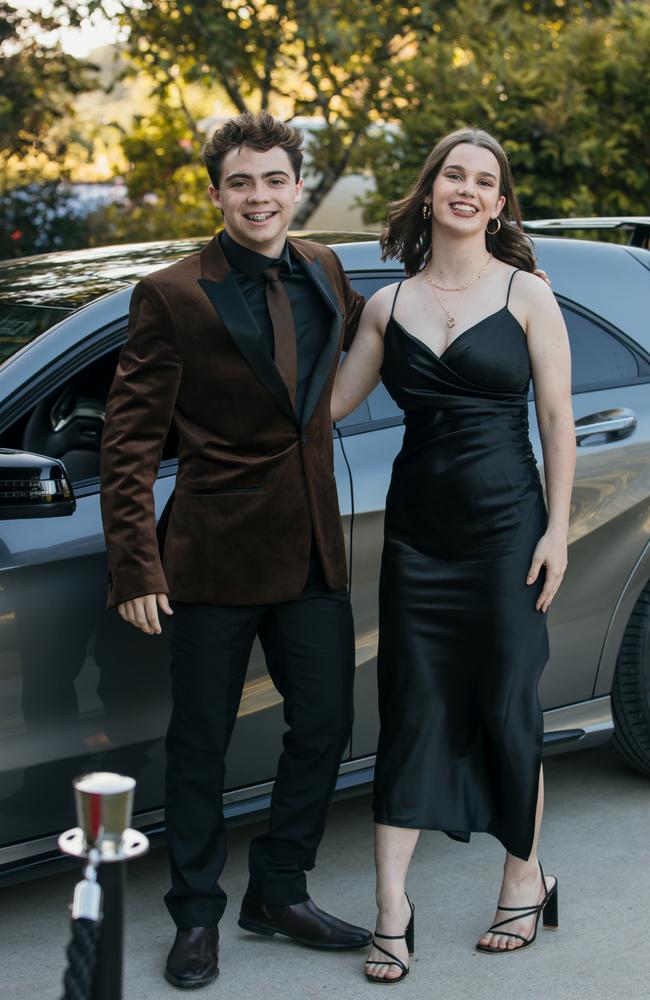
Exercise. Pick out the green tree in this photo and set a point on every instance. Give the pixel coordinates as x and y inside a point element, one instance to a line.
<point>37,89</point>
<point>563,96</point>
<point>293,57</point>
<point>37,83</point>
<point>167,186</point>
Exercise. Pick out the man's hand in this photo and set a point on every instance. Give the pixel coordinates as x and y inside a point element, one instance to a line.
<point>143,612</point>
<point>544,276</point>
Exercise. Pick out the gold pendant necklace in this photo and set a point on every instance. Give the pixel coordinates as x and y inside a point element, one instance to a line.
<point>451,320</point>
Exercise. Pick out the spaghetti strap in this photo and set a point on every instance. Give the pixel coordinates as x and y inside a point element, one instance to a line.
<point>395,300</point>
<point>509,284</point>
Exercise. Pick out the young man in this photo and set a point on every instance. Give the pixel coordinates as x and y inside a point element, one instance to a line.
<point>239,345</point>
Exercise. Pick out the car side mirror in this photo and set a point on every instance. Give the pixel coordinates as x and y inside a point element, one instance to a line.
<point>33,486</point>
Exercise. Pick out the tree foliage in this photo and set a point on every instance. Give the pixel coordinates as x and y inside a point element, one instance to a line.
<point>563,96</point>
<point>293,57</point>
<point>560,82</point>
<point>38,85</point>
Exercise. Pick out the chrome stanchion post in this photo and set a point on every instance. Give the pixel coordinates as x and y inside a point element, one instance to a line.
<point>104,803</point>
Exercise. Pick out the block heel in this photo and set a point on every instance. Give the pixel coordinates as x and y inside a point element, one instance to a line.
<point>550,915</point>
<point>409,934</point>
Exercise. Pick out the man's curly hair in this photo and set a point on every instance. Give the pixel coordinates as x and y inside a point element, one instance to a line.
<point>258,131</point>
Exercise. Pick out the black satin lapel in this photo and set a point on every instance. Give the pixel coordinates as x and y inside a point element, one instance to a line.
<point>232,308</point>
<point>325,360</point>
<point>314,270</point>
<point>322,369</point>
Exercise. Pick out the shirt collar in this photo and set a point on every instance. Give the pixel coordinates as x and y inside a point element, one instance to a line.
<point>249,262</point>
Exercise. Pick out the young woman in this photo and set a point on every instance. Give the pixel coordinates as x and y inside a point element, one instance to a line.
<point>471,558</point>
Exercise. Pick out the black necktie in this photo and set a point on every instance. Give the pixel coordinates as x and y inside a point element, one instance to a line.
<point>284,331</point>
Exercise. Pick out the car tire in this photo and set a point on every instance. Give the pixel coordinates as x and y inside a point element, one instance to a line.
<point>631,689</point>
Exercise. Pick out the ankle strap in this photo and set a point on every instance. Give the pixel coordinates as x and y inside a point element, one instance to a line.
<point>390,937</point>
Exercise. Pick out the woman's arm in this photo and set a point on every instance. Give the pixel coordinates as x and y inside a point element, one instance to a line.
<point>548,346</point>
<point>359,372</point>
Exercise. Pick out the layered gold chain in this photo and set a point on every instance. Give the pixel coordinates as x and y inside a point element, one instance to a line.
<point>451,320</point>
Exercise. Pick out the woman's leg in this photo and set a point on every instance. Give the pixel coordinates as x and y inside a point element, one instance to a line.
<point>521,886</point>
<point>394,848</point>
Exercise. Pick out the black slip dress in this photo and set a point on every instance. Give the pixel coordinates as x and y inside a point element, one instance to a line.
<point>461,646</point>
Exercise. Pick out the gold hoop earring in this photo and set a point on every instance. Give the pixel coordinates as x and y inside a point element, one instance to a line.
<point>426,209</point>
<point>493,232</point>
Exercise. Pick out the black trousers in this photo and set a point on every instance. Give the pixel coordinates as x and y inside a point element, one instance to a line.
<point>309,647</point>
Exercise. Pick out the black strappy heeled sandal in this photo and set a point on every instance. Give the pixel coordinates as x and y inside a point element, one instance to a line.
<point>547,909</point>
<point>409,937</point>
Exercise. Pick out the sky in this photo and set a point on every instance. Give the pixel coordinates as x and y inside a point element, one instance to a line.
<point>79,43</point>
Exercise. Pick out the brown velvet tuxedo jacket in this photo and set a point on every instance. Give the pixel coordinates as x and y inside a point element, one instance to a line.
<point>253,480</point>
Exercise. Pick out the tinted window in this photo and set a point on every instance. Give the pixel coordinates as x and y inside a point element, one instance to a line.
<point>382,405</point>
<point>21,324</point>
<point>359,416</point>
<point>368,284</point>
<point>597,356</point>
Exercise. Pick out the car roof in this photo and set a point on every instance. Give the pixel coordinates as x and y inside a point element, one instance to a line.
<point>70,279</point>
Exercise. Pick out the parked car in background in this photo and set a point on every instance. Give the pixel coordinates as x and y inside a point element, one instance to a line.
<point>634,230</point>
<point>81,690</point>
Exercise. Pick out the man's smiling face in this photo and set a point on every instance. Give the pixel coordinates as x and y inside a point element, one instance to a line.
<point>257,194</point>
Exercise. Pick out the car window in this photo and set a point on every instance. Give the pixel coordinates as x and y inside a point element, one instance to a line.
<point>368,284</point>
<point>379,405</point>
<point>67,423</point>
<point>359,416</point>
<point>20,324</point>
<point>597,356</point>
<point>382,406</point>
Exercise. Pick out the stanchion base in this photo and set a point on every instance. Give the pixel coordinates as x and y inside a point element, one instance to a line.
<point>132,845</point>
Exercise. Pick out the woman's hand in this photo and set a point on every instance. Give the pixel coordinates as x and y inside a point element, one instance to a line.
<point>551,554</point>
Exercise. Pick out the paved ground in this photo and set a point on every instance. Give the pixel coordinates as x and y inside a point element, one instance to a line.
<point>596,838</point>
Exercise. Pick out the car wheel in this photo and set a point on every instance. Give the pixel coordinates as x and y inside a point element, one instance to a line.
<point>631,689</point>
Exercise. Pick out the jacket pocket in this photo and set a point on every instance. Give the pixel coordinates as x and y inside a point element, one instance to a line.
<point>225,493</point>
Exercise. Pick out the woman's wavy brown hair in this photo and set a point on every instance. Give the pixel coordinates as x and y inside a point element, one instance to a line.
<point>407,236</point>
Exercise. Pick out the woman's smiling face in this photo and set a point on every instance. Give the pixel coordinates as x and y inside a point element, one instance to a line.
<point>466,192</point>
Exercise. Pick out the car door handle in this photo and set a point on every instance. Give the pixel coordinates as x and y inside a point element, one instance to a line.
<point>612,424</point>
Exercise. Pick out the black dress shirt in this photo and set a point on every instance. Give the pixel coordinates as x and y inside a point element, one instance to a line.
<point>311,316</point>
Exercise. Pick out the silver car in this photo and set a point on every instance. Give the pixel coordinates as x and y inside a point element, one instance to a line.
<point>81,690</point>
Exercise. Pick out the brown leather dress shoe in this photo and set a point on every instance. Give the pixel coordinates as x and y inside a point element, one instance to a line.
<point>302,922</point>
<point>194,958</point>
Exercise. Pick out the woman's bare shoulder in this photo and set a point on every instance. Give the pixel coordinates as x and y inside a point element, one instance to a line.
<point>380,304</point>
<point>530,288</point>
<point>533,303</point>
